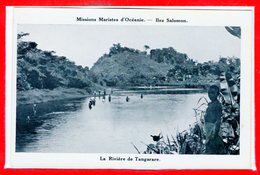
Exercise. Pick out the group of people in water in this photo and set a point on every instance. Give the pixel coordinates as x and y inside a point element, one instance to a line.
<point>92,101</point>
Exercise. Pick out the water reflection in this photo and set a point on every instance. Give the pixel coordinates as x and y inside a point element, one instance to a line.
<point>109,127</point>
<point>48,115</point>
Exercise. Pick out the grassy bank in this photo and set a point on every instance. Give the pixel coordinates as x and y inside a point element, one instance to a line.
<point>44,95</point>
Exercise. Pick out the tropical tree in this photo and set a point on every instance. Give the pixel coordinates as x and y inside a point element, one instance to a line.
<point>235,31</point>
<point>146,47</point>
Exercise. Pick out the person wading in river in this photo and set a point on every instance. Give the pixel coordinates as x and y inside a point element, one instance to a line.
<point>214,144</point>
<point>90,105</point>
<point>103,98</point>
<point>109,98</point>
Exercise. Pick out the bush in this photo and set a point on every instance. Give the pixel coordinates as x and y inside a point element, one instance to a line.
<point>34,78</point>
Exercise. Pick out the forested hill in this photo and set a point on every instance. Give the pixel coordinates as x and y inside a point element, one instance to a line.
<point>128,69</point>
<point>169,55</point>
<point>38,69</point>
<point>124,66</point>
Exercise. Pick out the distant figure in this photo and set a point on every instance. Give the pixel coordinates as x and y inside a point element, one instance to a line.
<point>109,98</point>
<point>142,96</point>
<point>90,105</point>
<point>95,94</point>
<point>127,99</point>
<point>99,92</point>
<point>214,144</point>
<point>103,98</point>
<point>104,93</point>
<point>28,118</point>
<point>157,138</point>
<point>34,109</point>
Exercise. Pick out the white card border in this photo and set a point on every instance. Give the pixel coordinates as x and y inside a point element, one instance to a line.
<point>46,160</point>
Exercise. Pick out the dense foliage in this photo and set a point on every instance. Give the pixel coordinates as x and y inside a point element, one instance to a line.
<point>122,66</point>
<point>126,66</point>
<point>127,69</point>
<point>37,69</point>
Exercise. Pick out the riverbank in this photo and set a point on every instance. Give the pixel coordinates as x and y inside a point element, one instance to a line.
<point>204,84</point>
<point>45,95</point>
<point>175,85</point>
<point>60,93</point>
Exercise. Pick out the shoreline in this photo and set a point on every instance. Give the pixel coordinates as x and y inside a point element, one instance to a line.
<point>37,96</point>
<point>46,95</point>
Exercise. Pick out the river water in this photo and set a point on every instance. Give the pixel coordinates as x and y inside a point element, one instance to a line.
<point>109,127</point>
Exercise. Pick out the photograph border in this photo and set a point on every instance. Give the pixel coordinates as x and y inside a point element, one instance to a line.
<point>20,160</point>
<point>6,171</point>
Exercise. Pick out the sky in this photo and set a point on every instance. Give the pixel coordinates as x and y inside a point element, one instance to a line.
<point>85,44</point>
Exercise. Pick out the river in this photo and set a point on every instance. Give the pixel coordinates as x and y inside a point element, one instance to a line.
<point>69,126</point>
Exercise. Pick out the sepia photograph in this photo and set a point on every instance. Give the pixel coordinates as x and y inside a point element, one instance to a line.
<point>128,89</point>
<point>131,88</point>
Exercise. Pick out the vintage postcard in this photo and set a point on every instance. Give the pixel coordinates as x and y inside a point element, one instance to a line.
<point>130,88</point>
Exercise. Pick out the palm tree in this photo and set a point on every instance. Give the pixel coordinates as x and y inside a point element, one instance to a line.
<point>236,31</point>
<point>146,47</point>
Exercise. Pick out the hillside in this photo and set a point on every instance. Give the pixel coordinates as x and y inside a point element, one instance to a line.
<point>124,66</point>
<point>128,69</point>
<point>43,76</point>
<point>37,69</point>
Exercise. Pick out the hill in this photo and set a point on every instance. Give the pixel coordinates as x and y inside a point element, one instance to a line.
<point>37,69</point>
<point>128,68</point>
<point>124,66</point>
<point>43,76</point>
